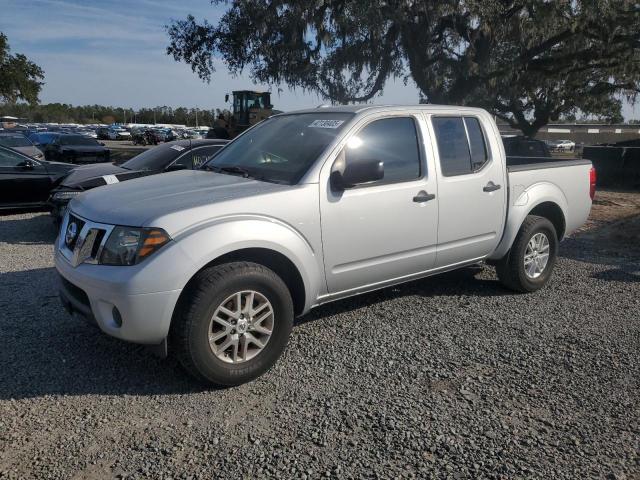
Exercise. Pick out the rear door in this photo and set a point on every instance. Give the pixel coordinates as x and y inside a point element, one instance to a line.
<point>472,188</point>
<point>387,229</point>
<point>21,184</point>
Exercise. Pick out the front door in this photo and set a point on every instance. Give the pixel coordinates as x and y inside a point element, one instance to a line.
<point>387,229</point>
<point>22,181</point>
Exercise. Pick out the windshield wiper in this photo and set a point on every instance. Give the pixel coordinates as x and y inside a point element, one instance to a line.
<point>232,169</point>
<point>235,170</point>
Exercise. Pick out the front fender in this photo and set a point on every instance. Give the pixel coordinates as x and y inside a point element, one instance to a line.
<point>207,242</point>
<point>521,201</point>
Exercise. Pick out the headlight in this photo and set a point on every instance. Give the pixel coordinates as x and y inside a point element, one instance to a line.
<point>129,246</point>
<point>66,195</point>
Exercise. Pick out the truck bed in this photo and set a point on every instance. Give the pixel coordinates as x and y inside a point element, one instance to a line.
<point>519,164</point>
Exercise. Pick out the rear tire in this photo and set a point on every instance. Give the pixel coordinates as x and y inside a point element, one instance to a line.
<point>536,238</point>
<point>210,314</point>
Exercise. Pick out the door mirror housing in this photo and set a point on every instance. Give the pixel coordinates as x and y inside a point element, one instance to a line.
<point>175,167</point>
<point>356,173</point>
<point>27,164</point>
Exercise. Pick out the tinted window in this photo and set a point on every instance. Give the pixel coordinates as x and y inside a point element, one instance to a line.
<point>282,148</point>
<point>155,158</point>
<point>14,141</point>
<point>455,158</point>
<point>9,158</point>
<point>77,140</point>
<point>393,141</point>
<point>45,138</point>
<point>201,155</point>
<point>476,143</point>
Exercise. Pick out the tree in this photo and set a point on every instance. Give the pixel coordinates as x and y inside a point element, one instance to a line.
<point>527,61</point>
<point>19,77</point>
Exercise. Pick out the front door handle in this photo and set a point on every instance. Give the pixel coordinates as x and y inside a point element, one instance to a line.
<point>423,196</point>
<point>491,187</point>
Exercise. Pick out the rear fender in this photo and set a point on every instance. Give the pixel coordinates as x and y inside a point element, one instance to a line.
<point>521,201</point>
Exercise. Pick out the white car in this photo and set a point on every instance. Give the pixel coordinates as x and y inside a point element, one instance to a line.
<point>119,134</point>
<point>565,146</point>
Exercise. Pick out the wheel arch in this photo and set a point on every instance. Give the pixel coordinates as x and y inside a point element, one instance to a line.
<point>543,199</point>
<point>279,263</point>
<point>274,245</point>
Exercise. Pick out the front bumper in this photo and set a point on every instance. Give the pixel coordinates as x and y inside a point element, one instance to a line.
<point>143,318</point>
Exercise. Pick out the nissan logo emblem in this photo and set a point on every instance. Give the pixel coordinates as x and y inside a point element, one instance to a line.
<point>70,235</point>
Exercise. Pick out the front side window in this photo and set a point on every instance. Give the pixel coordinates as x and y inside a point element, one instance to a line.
<point>200,155</point>
<point>393,141</point>
<point>8,158</point>
<point>280,149</point>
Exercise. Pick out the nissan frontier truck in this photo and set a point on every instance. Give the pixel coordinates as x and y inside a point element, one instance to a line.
<point>213,265</point>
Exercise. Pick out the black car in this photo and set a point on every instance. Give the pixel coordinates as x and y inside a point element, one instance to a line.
<point>178,155</point>
<point>76,149</point>
<point>521,146</point>
<point>26,182</point>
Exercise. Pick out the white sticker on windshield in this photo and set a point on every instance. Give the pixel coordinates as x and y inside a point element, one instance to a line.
<point>179,148</point>
<point>109,179</point>
<point>326,123</point>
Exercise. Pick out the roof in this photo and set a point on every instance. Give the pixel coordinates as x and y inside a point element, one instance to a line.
<point>197,142</point>
<point>377,108</point>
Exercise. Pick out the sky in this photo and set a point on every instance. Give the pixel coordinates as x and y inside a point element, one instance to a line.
<point>112,52</point>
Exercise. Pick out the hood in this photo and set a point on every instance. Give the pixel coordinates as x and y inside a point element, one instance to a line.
<point>91,176</point>
<point>143,201</point>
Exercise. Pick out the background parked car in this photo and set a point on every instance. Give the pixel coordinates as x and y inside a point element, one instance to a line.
<point>22,144</point>
<point>76,149</point>
<point>566,146</point>
<point>102,133</point>
<point>42,139</point>
<point>25,182</point>
<point>179,155</point>
<point>521,146</point>
<point>117,133</point>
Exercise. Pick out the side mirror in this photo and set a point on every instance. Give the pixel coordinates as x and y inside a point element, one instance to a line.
<point>27,165</point>
<point>102,143</point>
<point>357,173</point>
<point>175,167</point>
<point>226,98</point>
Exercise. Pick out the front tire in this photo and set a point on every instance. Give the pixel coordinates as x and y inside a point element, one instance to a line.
<point>232,324</point>
<point>528,265</point>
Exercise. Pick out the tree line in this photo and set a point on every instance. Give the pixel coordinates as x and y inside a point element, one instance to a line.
<point>87,114</point>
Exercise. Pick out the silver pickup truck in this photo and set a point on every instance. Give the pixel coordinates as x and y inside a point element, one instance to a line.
<point>305,208</point>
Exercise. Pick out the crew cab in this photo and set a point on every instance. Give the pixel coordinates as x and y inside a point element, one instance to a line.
<point>308,207</point>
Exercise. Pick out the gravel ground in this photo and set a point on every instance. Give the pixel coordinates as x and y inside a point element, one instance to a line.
<point>446,377</point>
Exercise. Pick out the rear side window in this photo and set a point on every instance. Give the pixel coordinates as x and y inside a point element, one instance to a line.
<point>461,145</point>
<point>393,141</point>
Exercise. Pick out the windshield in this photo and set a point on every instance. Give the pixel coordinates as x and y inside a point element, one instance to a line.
<point>77,140</point>
<point>281,149</point>
<point>15,141</point>
<point>156,158</point>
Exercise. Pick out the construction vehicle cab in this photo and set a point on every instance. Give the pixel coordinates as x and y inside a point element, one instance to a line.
<point>249,108</point>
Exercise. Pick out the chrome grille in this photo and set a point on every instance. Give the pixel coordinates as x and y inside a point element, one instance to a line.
<point>82,243</point>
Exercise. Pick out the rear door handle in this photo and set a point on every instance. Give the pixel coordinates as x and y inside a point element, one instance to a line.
<point>491,187</point>
<point>423,196</point>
